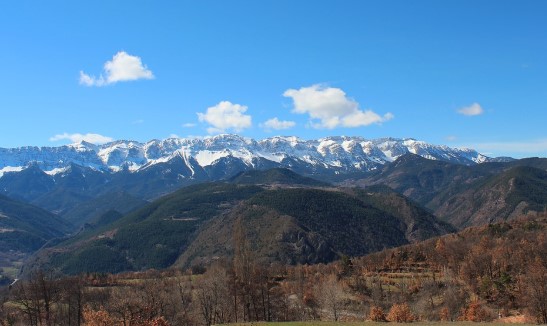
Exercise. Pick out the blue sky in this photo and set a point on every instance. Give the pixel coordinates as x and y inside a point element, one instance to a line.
<point>460,73</point>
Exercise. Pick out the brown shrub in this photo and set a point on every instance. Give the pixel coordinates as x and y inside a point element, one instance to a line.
<point>377,314</point>
<point>400,313</point>
<point>474,312</point>
<point>444,314</point>
<point>97,318</point>
<point>159,322</point>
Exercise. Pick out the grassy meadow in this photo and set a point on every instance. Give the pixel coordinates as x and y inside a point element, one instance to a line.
<point>369,323</point>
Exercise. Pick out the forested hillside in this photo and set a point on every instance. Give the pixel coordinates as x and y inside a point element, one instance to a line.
<point>467,195</point>
<point>495,272</point>
<point>288,220</point>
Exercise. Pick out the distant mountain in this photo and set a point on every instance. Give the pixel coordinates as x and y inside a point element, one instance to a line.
<point>61,178</point>
<point>335,154</point>
<point>467,195</point>
<point>275,176</point>
<point>93,209</point>
<point>501,197</point>
<point>151,237</point>
<point>422,179</point>
<point>25,228</point>
<point>27,183</point>
<point>294,224</point>
<point>308,226</point>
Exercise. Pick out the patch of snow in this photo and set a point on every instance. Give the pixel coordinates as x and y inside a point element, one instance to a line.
<point>274,157</point>
<point>10,169</point>
<point>184,156</point>
<point>206,157</point>
<point>389,155</point>
<point>56,171</point>
<point>340,152</point>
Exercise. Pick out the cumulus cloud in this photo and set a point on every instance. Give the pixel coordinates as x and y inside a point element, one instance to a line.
<point>276,124</point>
<point>76,138</point>
<point>473,109</point>
<point>225,116</point>
<point>122,67</point>
<point>329,107</point>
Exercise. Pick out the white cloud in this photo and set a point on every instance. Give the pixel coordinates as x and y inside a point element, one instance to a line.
<point>189,125</point>
<point>123,67</point>
<point>137,122</point>
<point>76,138</point>
<point>90,81</point>
<point>473,109</point>
<point>226,116</point>
<point>329,107</point>
<point>451,138</point>
<point>276,124</point>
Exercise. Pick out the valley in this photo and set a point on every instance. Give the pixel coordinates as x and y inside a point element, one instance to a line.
<point>360,233</point>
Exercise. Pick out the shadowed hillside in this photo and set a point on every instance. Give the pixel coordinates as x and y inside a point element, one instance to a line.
<point>289,224</point>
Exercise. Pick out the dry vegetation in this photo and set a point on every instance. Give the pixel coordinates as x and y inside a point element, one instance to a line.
<point>480,274</point>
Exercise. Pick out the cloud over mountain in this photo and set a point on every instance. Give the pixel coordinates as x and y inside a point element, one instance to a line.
<point>276,124</point>
<point>122,67</point>
<point>76,138</point>
<point>329,107</point>
<point>225,116</point>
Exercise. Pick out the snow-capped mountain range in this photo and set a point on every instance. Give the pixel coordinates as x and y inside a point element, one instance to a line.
<point>336,154</point>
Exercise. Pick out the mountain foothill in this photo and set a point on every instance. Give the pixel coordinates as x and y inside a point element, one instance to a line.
<point>184,203</point>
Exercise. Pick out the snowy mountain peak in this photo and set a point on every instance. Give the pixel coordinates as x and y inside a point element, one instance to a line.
<point>341,154</point>
<point>83,146</point>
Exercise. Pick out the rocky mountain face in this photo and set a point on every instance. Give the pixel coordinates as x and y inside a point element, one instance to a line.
<point>61,178</point>
<point>335,154</point>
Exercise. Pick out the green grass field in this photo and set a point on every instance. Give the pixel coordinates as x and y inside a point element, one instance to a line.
<point>369,323</point>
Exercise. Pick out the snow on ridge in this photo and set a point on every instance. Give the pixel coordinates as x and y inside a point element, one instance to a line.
<point>339,152</point>
<point>56,171</point>
<point>206,157</point>
<point>10,169</point>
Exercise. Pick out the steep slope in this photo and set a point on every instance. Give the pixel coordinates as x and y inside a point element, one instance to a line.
<point>121,202</point>
<point>60,178</point>
<point>158,179</point>
<point>23,230</point>
<point>467,195</point>
<point>307,226</point>
<point>497,198</point>
<point>422,179</point>
<point>341,154</point>
<point>288,224</point>
<point>501,265</point>
<point>27,184</point>
<point>73,186</point>
<point>275,176</point>
<point>26,228</point>
<point>151,237</point>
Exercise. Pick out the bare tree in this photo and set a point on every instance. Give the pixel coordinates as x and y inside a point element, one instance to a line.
<point>36,298</point>
<point>213,297</point>
<point>330,294</point>
<point>536,290</point>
